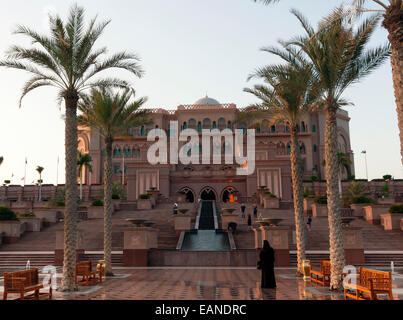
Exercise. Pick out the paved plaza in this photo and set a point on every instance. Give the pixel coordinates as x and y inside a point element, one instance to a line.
<point>204,284</point>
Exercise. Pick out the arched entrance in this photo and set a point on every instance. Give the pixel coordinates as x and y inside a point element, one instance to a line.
<point>208,194</point>
<point>188,193</point>
<point>229,195</point>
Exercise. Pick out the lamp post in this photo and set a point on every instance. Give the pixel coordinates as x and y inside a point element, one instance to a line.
<point>366,164</point>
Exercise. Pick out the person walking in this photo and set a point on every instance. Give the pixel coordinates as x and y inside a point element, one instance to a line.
<point>175,210</point>
<point>266,264</point>
<point>255,210</point>
<point>243,208</point>
<point>249,222</point>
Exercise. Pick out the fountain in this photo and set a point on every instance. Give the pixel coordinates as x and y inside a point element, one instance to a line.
<point>228,210</point>
<point>270,222</point>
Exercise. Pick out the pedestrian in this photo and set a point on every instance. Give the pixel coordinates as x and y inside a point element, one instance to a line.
<point>255,210</point>
<point>175,211</point>
<point>266,264</point>
<point>243,208</point>
<point>309,223</point>
<point>260,217</point>
<point>249,222</point>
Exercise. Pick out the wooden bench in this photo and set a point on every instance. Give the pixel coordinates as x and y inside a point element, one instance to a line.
<point>369,284</point>
<point>88,276</point>
<point>22,282</point>
<point>322,277</point>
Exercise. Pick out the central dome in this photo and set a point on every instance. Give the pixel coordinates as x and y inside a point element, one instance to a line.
<point>207,101</point>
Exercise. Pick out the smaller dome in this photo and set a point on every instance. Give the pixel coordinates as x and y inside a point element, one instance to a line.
<point>207,101</point>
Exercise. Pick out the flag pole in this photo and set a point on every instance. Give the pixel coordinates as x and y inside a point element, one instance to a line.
<point>57,172</point>
<point>25,171</point>
<point>123,169</point>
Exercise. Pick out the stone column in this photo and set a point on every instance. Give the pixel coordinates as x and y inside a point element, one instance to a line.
<point>353,246</point>
<point>59,247</point>
<point>278,239</point>
<point>258,238</point>
<point>137,242</point>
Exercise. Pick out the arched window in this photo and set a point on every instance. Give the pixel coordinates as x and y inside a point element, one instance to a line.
<point>199,127</point>
<point>192,124</point>
<point>315,148</point>
<point>136,152</point>
<point>273,129</point>
<point>214,125</point>
<point>207,123</point>
<point>289,148</point>
<point>313,128</point>
<point>143,131</point>
<point>185,126</point>
<point>265,126</point>
<point>117,152</point>
<point>127,152</point>
<point>303,127</point>
<point>302,149</point>
<point>221,123</point>
<point>287,127</point>
<point>157,131</point>
<point>229,125</point>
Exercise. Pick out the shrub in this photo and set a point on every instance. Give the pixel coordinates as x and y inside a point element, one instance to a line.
<point>6,214</point>
<point>59,199</point>
<point>144,196</point>
<point>115,196</point>
<point>97,203</point>
<point>321,199</point>
<point>361,199</point>
<point>60,204</point>
<point>314,178</point>
<point>351,177</point>
<point>387,177</point>
<point>396,208</point>
<point>27,214</point>
<point>309,193</point>
<point>273,196</point>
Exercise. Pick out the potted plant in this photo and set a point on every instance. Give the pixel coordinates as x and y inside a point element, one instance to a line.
<point>10,225</point>
<point>319,207</point>
<point>385,194</point>
<point>32,222</point>
<point>144,202</point>
<point>391,220</point>
<point>271,201</point>
<point>96,210</point>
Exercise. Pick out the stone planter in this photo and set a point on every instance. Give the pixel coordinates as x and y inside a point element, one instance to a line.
<point>48,215</point>
<point>278,239</point>
<point>372,212</point>
<point>388,201</point>
<point>11,230</point>
<point>319,210</point>
<point>353,245</point>
<point>136,245</point>
<point>144,204</point>
<point>272,203</point>
<point>183,222</point>
<point>308,202</point>
<point>391,221</point>
<point>359,209</point>
<point>95,212</point>
<point>32,224</point>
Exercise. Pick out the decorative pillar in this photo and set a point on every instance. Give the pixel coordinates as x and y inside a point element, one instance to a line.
<point>137,243</point>
<point>59,247</point>
<point>278,239</point>
<point>258,238</point>
<point>353,246</point>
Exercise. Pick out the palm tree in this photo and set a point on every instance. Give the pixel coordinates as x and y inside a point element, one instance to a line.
<point>39,169</point>
<point>110,115</point>
<point>392,11</point>
<point>83,160</point>
<point>344,162</point>
<point>339,58</point>
<point>67,60</point>
<point>288,96</point>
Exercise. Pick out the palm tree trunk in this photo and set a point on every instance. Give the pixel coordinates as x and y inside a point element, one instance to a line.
<point>333,199</point>
<point>40,188</point>
<point>70,214</point>
<point>298,199</point>
<point>108,209</point>
<point>394,24</point>
<point>81,185</point>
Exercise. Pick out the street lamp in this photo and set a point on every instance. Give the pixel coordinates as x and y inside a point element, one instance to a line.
<point>366,164</point>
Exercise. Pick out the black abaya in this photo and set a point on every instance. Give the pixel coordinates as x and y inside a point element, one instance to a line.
<point>267,264</point>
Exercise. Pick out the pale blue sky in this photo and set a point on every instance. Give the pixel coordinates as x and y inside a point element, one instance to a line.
<point>188,48</point>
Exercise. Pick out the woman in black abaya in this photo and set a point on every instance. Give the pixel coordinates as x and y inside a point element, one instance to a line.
<point>267,266</point>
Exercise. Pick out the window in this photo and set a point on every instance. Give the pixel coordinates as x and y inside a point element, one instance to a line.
<point>273,129</point>
<point>143,131</point>
<point>302,149</point>
<point>206,123</point>
<point>313,128</point>
<point>127,152</point>
<point>214,125</point>
<point>289,148</point>
<point>199,127</point>
<point>265,126</point>
<point>315,148</point>
<point>117,152</point>
<point>221,123</point>
<point>303,127</point>
<point>192,124</point>
<point>136,152</point>
<point>185,126</point>
<point>287,128</point>
<point>229,126</point>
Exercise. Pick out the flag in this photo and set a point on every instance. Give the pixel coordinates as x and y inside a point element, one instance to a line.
<point>26,161</point>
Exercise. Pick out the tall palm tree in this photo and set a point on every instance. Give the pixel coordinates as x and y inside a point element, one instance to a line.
<point>39,169</point>
<point>339,58</point>
<point>68,60</point>
<point>288,96</point>
<point>110,115</point>
<point>344,162</point>
<point>83,161</point>
<point>392,11</point>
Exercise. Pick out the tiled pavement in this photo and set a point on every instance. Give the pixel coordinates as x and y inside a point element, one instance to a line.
<point>203,284</point>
